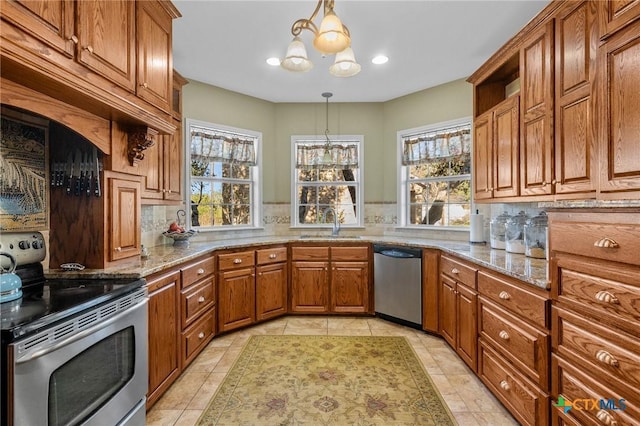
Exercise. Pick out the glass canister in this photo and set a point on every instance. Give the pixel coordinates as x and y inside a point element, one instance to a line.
<point>535,236</point>
<point>515,233</point>
<point>498,230</point>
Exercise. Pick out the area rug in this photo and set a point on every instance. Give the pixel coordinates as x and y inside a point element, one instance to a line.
<point>327,380</point>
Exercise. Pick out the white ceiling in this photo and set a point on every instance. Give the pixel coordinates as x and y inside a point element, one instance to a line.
<point>428,42</point>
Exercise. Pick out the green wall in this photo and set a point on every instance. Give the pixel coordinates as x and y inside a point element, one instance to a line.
<point>378,122</point>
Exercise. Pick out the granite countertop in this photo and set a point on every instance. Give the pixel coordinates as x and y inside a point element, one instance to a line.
<point>529,270</point>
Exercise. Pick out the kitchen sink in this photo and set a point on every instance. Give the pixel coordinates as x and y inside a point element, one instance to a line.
<point>329,237</point>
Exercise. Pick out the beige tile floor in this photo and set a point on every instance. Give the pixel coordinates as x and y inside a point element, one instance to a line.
<point>469,401</point>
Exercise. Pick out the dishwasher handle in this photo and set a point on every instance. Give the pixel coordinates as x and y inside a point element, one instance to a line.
<point>398,252</point>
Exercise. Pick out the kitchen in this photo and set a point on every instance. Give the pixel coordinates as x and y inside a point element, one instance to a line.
<point>119,144</point>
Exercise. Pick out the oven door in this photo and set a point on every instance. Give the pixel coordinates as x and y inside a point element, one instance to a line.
<point>94,376</point>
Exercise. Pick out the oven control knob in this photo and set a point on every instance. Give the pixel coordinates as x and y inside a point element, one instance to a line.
<point>24,244</point>
<point>37,244</point>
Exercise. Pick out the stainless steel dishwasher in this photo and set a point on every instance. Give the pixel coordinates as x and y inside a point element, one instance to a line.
<point>398,284</point>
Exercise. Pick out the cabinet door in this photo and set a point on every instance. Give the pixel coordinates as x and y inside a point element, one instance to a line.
<point>575,151</point>
<point>124,230</point>
<point>163,335</point>
<point>448,310</point>
<point>51,21</point>
<point>482,156</point>
<point>618,14</point>
<point>155,65</point>
<point>350,287</point>
<point>236,299</point>
<point>310,287</point>
<point>172,176</point>
<point>619,155</point>
<point>466,327</point>
<point>151,168</point>
<point>271,291</point>
<point>506,142</point>
<point>536,153</point>
<point>106,39</point>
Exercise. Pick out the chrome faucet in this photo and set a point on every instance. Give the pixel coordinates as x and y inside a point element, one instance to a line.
<point>336,221</point>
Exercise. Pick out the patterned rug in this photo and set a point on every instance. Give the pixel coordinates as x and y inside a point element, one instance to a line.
<point>327,380</point>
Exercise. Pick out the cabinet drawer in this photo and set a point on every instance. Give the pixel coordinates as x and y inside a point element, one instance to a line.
<point>524,345</point>
<point>271,255</point>
<point>458,271</point>
<point>197,270</point>
<point>612,236</point>
<point>309,253</point>
<point>522,398</point>
<point>349,253</point>
<point>600,349</point>
<point>587,395</point>
<point>515,298</point>
<point>585,288</point>
<point>240,259</point>
<point>196,337</point>
<point>197,299</point>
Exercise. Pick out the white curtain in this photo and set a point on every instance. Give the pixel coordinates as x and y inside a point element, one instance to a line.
<point>339,156</point>
<point>436,146</point>
<point>207,147</point>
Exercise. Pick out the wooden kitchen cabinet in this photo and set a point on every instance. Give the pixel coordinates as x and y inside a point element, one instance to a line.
<point>458,308</point>
<point>164,333</point>
<point>350,280</point>
<point>125,215</point>
<point>617,14</point>
<point>309,279</point>
<point>236,290</point>
<point>271,282</point>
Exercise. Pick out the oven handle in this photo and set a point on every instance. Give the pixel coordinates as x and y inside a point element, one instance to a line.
<point>83,334</point>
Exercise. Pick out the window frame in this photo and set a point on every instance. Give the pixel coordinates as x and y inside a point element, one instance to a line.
<point>255,181</point>
<point>403,180</point>
<point>358,181</point>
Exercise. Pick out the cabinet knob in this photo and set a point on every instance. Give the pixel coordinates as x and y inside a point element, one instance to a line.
<point>74,39</point>
<point>504,335</point>
<point>200,271</point>
<point>145,85</point>
<point>201,299</point>
<point>273,256</point>
<point>118,249</point>
<point>606,358</point>
<point>606,297</point>
<point>544,183</point>
<point>201,335</point>
<point>455,271</point>
<point>606,243</point>
<point>89,49</point>
<point>505,385</point>
<point>504,295</point>
<point>554,182</point>
<point>237,260</point>
<point>164,190</point>
<point>606,418</point>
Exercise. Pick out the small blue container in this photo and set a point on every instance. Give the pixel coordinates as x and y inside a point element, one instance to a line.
<point>10,283</point>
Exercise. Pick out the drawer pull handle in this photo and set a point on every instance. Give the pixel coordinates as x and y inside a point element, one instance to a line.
<point>606,243</point>
<point>455,271</point>
<point>273,256</point>
<point>200,271</point>
<point>505,386</point>
<point>504,335</point>
<point>201,335</point>
<point>201,299</point>
<point>606,418</point>
<point>504,295</point>
<point>606,358</point>
<point>606,297</point>
<point>237,260</point>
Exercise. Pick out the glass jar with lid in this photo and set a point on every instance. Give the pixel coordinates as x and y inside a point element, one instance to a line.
<point>498,230</point>
<point>535,236</point>
<point>515,233</point>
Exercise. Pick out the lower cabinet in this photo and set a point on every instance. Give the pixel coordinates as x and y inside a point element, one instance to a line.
<point>271,283</point>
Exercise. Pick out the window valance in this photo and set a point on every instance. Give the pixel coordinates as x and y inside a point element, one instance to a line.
<point>327,156</point>
<point>208,146</point>
<point>436,146</point>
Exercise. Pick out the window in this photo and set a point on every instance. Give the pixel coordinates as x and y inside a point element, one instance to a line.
<point>326,175</point>
<point>435,175</point>
<point>224,164</point>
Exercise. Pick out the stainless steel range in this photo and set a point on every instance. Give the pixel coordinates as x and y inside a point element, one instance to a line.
<point>74,351</point>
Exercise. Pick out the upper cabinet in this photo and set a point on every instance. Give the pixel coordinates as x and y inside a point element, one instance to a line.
<point>576,67</point>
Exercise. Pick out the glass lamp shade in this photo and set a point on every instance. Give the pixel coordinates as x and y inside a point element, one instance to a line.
<point>345,64</point>
<point>332,37</point>
<point>297,59</point>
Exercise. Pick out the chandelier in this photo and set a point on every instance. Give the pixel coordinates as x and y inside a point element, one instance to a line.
<point>332,38</point>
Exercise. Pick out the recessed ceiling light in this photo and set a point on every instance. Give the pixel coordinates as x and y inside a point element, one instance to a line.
<point>380,59</point>
<point>274,62</point>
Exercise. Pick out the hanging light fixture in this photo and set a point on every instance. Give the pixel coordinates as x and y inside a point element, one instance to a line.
<point>332,38</point>
<point>327,158</point>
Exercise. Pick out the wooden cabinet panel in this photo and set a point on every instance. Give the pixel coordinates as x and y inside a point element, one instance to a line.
<point>196,337</point>
<point>448,319</point>
<point>271,286</point>
<point>309,253</point>
<point>271,255</point>
<point>197,299</point>
<point>349,287</point>
<point>240,259</point>
<point>483,156</point>
<point>618,14</point>
<point>163,334</point>
<point>236,298</point>
<point>107,39</point>
<point>466,326</point>
<point>124,221</point>
<point>195,271</point>
<point>350,253</point>
<point>310,287</point>
<point>506,137</point>
<point>620,156</point>
<point>459,271</point>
